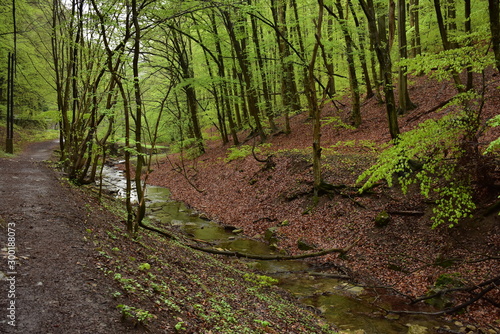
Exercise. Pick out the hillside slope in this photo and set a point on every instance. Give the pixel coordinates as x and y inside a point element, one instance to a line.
<point>406,255</point>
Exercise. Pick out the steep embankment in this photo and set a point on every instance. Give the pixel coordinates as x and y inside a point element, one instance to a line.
<point>406,255</point>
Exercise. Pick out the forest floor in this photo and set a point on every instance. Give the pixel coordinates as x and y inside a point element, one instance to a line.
<point>406,257</point>
<point>69,266</point>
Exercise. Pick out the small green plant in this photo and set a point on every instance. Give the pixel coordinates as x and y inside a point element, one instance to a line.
<point>243,151</point>
<point>180,326</point>
<point>260,280</point>
<point>137,315</point>
<point>111,235</point>
<point>144,266</point>
<point>116,294</point>
<point>263,323</point>
<point>336,122</point>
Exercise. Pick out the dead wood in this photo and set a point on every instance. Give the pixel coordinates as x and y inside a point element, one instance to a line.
<point>487,287</point>
<point>341,251</point>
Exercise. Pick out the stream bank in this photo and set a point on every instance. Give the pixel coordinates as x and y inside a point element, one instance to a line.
<point>347,306</point>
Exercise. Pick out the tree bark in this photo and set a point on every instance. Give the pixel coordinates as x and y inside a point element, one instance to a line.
<point>494,13</point>
<point>353,80</point>
<point>405,103</point>
<point>416,48</point>
<point>362,52</point>
<point>380,45</point>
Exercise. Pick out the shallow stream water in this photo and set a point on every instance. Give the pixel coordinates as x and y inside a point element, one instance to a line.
<point>346,306</point>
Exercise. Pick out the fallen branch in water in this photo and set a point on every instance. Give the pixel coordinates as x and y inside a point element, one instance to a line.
<point>489,285</point>
<point>341,251</point>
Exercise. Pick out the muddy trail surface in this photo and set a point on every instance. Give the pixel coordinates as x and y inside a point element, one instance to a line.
<point>48,281</point>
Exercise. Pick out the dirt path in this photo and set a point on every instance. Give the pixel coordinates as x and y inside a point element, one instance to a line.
<point>53,283</point>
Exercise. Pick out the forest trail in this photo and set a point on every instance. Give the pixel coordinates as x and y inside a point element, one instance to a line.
<point>54,285</point>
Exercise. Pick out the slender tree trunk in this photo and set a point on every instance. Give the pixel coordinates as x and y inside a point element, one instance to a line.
<point>265,89</point>
<point>416,48</point>
<point>447,45</point>
<point>288,86</point>
<point>392,23</point>
<point>381,47</point>
<point>405,103</point>
<point>362,52</point>
<point>353,80</point>
<point>494,11</point>
<point>468,30</point>
<point>141,209</point>
<point>245,69</point>
<point>313,105</point>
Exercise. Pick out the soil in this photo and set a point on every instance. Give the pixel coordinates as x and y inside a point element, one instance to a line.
<point>57,286</point>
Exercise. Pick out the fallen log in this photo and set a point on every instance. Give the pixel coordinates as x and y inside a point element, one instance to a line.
<point>341,251</point>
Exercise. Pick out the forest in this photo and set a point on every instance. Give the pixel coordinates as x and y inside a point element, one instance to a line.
<point>367,125</point>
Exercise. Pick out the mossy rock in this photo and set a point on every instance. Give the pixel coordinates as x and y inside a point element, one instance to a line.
<point>271,235</point>
<point>382,219</point>
<point>304,245</point>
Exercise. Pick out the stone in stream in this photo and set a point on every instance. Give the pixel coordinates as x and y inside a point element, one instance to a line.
<point>416,329</point>
<point>304,245</point>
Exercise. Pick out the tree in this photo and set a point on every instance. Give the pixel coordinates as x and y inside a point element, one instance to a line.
<point>494,13</point>
<point>415,42</point>
<point>244,64</point>
<point>353,80</point>
<point>405,103</point>
<point>9,143</point>
<point>380,44</point>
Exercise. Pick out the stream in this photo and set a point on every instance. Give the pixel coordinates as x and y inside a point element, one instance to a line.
<point>346,306</point>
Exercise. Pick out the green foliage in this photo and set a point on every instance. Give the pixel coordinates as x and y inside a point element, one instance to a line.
<point>452,280</point>
<point>429,156</point>
<point>144,266</point>
<point>260,280</point>
<point>336,122</point>
<point>495,144</point>
<point>243,151</point>
<point>138,315</point>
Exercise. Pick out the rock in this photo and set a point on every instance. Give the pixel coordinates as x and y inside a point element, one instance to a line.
<point>271,235</point>
<point>304,245</point>
<point>471,328</point>
<point>237,231</point>
<point>392,316</point>
<point>382,219</point>
<point>416,329</point>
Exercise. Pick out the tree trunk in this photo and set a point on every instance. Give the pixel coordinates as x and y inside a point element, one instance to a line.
<point>468,30</point>
<point>247,76</point>
<point>405,103</point>
<point>265,89</point>
<point>494,11</point>
<point>313,105</point>
<point>362,52</point>
<point>416,48</point>
<point>381,47</point>
<point>392,23</point>
<point>289,94</point>
<point>353,80</point>
<point>447,45</point>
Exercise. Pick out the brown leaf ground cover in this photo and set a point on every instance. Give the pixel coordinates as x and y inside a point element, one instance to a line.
<point>406,255</point>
